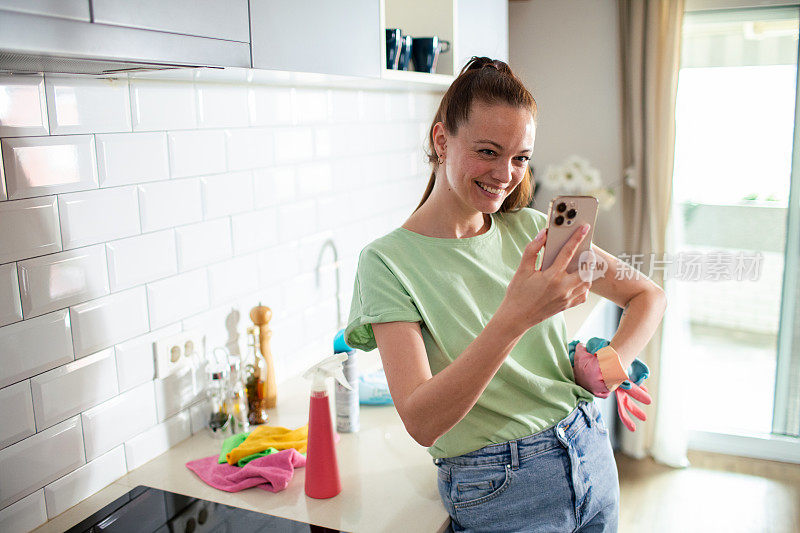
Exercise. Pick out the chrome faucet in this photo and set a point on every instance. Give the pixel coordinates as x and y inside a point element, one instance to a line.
<point>330,244</point>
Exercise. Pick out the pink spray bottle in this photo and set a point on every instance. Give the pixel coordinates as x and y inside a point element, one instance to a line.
<point>322,470</point>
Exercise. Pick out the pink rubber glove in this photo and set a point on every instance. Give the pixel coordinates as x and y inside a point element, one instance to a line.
<point>625,403</point>
<point>587,372</point>
<point>588,376</point>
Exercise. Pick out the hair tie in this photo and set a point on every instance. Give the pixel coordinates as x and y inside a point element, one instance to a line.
<point>477,63</point>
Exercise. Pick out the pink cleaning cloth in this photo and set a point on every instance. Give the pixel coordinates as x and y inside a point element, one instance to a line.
<point>272,472</point>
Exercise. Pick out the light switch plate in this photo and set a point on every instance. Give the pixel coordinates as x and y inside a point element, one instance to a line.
<point>176,351</point>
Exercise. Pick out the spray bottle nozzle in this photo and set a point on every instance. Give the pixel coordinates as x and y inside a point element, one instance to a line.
<point>328,367</point>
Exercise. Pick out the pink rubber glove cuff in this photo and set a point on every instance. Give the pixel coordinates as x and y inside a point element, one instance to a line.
<point>587,372</point>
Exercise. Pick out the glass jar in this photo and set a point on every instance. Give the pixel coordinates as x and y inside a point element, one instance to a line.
<point>236,398</point>
<point>255,385</point>
<point>219,419</point>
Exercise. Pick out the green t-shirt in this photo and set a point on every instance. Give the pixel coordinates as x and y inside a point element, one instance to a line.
<point>453,287</point>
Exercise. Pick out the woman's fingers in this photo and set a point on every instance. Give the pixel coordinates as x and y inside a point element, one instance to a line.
<point>531,251</point>
<point>581,288</point>
<point>565,254</point>
<point>578,294</point>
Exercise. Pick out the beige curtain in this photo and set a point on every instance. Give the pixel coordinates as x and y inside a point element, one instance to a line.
<point>650,36</point>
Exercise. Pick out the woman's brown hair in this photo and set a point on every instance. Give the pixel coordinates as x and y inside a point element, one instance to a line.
<point>489,81</point>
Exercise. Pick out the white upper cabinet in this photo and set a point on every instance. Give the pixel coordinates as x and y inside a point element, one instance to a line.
<point>341,37</point>
<point>482,30</point>
<point>68,9</point>
<point>219,19</point>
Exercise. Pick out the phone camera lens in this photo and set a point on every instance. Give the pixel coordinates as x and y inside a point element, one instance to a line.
<point>561,207</point>
<point>559,220</point>
<point>571,213</point>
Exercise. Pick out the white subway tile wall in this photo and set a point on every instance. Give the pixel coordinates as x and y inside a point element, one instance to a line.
<point>84,481</point>
<point>85,105</point>
<point>25,108</point>
<point>37,166</point>
<point>135,363</point>
<point>194,153</point>
<point>227,194</point>
<point>16,417</point>
<point>67,390</point>
<point>105,321</point>
<point>204,243</point>
<point>34,346</point>
<point>166,204</point>
<point>157,440</point>
<point>10,303</point>
<point>25,515</point>
<point>125,158</point>
<point>59,451</point>
<point>113,422</point>
<point>59,280</point>
<point>29,228</point>
<point>140,259</point>
<point>136,208</point>
<point>96,216</point>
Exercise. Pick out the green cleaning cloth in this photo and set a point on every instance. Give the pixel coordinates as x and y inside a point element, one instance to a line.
<point>233,442</point>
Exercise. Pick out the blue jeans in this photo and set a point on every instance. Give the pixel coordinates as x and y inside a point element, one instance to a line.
<point>563,478</point>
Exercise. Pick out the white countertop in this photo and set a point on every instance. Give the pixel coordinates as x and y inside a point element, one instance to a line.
<point>388,480</point>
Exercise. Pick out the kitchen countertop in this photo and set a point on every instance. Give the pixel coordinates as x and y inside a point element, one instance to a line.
<point>388,480</point>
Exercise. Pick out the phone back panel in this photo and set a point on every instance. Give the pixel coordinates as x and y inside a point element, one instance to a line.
<point>558,234</point>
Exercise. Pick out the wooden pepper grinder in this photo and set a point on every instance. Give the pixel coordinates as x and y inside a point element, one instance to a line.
<point>261,315</point>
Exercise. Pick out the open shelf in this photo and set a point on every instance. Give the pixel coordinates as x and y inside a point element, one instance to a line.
<point>416,77</point>
<point>421,18</point>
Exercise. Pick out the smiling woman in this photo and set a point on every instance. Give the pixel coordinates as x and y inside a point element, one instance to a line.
<point>494,131</point>
<point>471,334</point>
<point>488,159</point>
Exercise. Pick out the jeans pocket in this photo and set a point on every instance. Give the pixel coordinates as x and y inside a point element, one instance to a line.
<point>443,484</point>
<point>475,485</point>
<point>600,422</point>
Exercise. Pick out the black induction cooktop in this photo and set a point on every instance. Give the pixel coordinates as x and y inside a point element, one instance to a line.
<point>149,510</point>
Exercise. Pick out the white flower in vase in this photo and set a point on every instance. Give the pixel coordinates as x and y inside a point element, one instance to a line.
<point>605,197</point>
<point>591,179</point>
<point>575,175</point>
<point>579,164</point>
<point>554,178</point>
<point>572,179</point>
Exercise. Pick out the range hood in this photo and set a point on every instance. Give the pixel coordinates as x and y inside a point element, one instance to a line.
<point>33,43</point>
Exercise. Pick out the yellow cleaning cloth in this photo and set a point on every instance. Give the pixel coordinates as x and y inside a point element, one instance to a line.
<point>264,437</point>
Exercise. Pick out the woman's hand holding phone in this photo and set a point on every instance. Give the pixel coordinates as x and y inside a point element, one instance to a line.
<point>535,295</point>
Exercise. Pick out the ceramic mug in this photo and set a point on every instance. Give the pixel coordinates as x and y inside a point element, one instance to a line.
<point>393,44</point>
<point>425,52</point>
<point>405,52</point>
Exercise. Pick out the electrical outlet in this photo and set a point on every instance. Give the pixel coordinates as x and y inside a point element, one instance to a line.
<point>176,351</point>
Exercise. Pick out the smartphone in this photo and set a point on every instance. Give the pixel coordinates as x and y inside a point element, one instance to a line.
<point>565,215</point>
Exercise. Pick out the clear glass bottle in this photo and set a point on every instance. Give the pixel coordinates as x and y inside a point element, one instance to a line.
<point>217,392</point>
<point>236,398</point>
<point>255,385</point>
